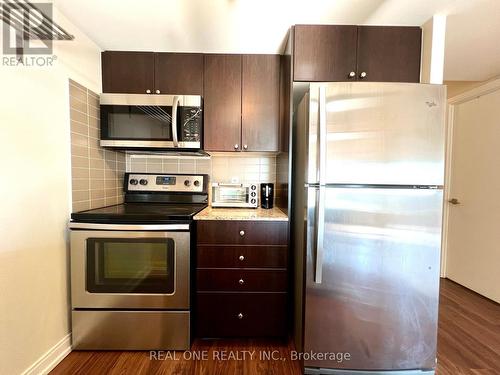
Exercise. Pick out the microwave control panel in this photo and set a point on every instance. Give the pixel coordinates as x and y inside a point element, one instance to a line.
<point>192,124</point>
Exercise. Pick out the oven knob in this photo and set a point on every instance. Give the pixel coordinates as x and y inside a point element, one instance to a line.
<point>133,181</point>
<point>143,181</point>
<point>196,183</point>
<point>187,183</point>
<point>253,187</point>
<point>253,194</point>
<point>253,201</point>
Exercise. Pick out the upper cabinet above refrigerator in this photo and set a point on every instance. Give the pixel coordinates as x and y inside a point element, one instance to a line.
<point>325,53</point>
<point>376,133</point>
<point>335,53</point>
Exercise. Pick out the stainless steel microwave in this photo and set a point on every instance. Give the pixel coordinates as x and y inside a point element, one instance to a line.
<point>141,121</point>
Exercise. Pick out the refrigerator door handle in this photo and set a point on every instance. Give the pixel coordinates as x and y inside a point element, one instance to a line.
<point>322,136</point>
<point>320,234</point>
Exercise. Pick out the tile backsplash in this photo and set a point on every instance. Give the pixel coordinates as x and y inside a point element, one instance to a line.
<point>221,167</point>
<point>97,174</point>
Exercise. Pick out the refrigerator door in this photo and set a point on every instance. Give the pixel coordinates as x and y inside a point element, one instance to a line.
<point>376,133</point>
<point>374,305</point>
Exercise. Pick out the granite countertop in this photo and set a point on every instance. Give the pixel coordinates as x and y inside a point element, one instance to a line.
<point>273,214</point>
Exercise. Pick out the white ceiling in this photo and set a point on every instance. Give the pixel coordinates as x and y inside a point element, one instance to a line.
<point>260,26</point>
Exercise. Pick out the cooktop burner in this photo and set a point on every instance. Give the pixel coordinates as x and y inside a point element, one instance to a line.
<point>139,213</point>
<point>153,198</point>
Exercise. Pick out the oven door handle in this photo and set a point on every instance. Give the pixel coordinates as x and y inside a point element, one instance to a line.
<point>175,104</point>
<point>136,227</point>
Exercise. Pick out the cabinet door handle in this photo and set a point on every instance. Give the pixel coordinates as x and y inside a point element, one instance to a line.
<point>352,74</point>
<point>236,146</point>
<point>148,91</point>
<point>242,233</point>
<point>241,258</point>
<point>245,147</point>
<point>241,281</point>
<point>363,75</point>
<point>240,316</point>
<point>158,91</point>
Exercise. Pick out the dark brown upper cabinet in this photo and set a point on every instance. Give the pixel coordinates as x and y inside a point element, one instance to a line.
<point>152,73</point>
<point>179,73</point>
<point>329,53</point>
<point>222,102</point>
<point>260,103</point>
<point>324,52</point>
<point>241,102</point>
<point>127,72</point>
<point>389,53</point>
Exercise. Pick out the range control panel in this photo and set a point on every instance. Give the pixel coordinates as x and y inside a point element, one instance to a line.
<point>178,183</point>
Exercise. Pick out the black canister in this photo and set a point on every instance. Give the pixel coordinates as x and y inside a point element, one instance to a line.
<point>266,195</point>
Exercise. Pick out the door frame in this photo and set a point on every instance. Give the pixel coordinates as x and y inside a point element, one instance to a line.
<point>464,97</point>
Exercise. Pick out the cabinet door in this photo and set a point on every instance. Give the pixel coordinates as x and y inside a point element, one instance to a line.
<point>260,102</point>
<point>389,53</point>
<point>127,72</point>
<point>324,52</point>
<point>222,102</point>
<point>179,73</point>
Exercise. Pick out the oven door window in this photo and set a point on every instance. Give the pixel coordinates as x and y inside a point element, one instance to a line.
<point>124,122</point>
<point>130,265</point>
<point>231,195</point>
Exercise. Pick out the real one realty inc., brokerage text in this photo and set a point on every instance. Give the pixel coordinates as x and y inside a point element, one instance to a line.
<point>246,355</point>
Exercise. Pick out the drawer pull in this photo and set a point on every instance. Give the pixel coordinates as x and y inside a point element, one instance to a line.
<point>240,316</point>
<point>241,281</point>
<point>242,233</point>
<point>241,258</point>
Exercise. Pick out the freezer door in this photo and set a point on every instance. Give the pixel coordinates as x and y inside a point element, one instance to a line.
<point>377,133</point>
<point>376,300</point>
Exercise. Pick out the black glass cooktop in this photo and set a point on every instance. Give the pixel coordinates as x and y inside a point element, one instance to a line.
<point>150,213</point>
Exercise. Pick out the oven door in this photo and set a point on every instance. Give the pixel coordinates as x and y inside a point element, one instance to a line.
<point>151,121</point>
<point>230,195</point>
<point>130,266</point>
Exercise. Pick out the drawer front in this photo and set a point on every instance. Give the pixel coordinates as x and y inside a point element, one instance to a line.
<point>224,256</point>
<point>241,280</point>
<point>242,232</point>
<point>241,315</point>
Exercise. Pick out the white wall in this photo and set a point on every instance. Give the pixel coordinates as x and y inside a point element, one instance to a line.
<point>35,200</point>
<point>433,47</point>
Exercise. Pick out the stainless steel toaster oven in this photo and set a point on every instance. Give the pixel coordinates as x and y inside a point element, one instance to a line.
<point>235,195</point>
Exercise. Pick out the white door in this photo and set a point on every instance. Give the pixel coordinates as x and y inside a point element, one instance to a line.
<point>473,251</point>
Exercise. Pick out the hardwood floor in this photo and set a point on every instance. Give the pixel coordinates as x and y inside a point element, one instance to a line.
<point>469,332</point>
<point>468,343</point>
<point>217,353</point>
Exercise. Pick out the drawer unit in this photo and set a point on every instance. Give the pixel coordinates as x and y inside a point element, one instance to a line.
<point>241,314</point>
<point>227,256</point>
<point>231,232</point>
<point>241,280</point>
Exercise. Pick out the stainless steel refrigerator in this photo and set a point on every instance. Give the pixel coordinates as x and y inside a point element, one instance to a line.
<point>368,175</point>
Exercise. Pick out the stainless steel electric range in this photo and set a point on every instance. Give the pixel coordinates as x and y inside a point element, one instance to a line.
<point>130,265</point>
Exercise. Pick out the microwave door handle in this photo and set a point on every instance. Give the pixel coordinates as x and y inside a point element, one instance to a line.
<point>175,104</point>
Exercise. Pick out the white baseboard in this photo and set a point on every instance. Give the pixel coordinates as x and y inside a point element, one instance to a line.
<point>51,358</point>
